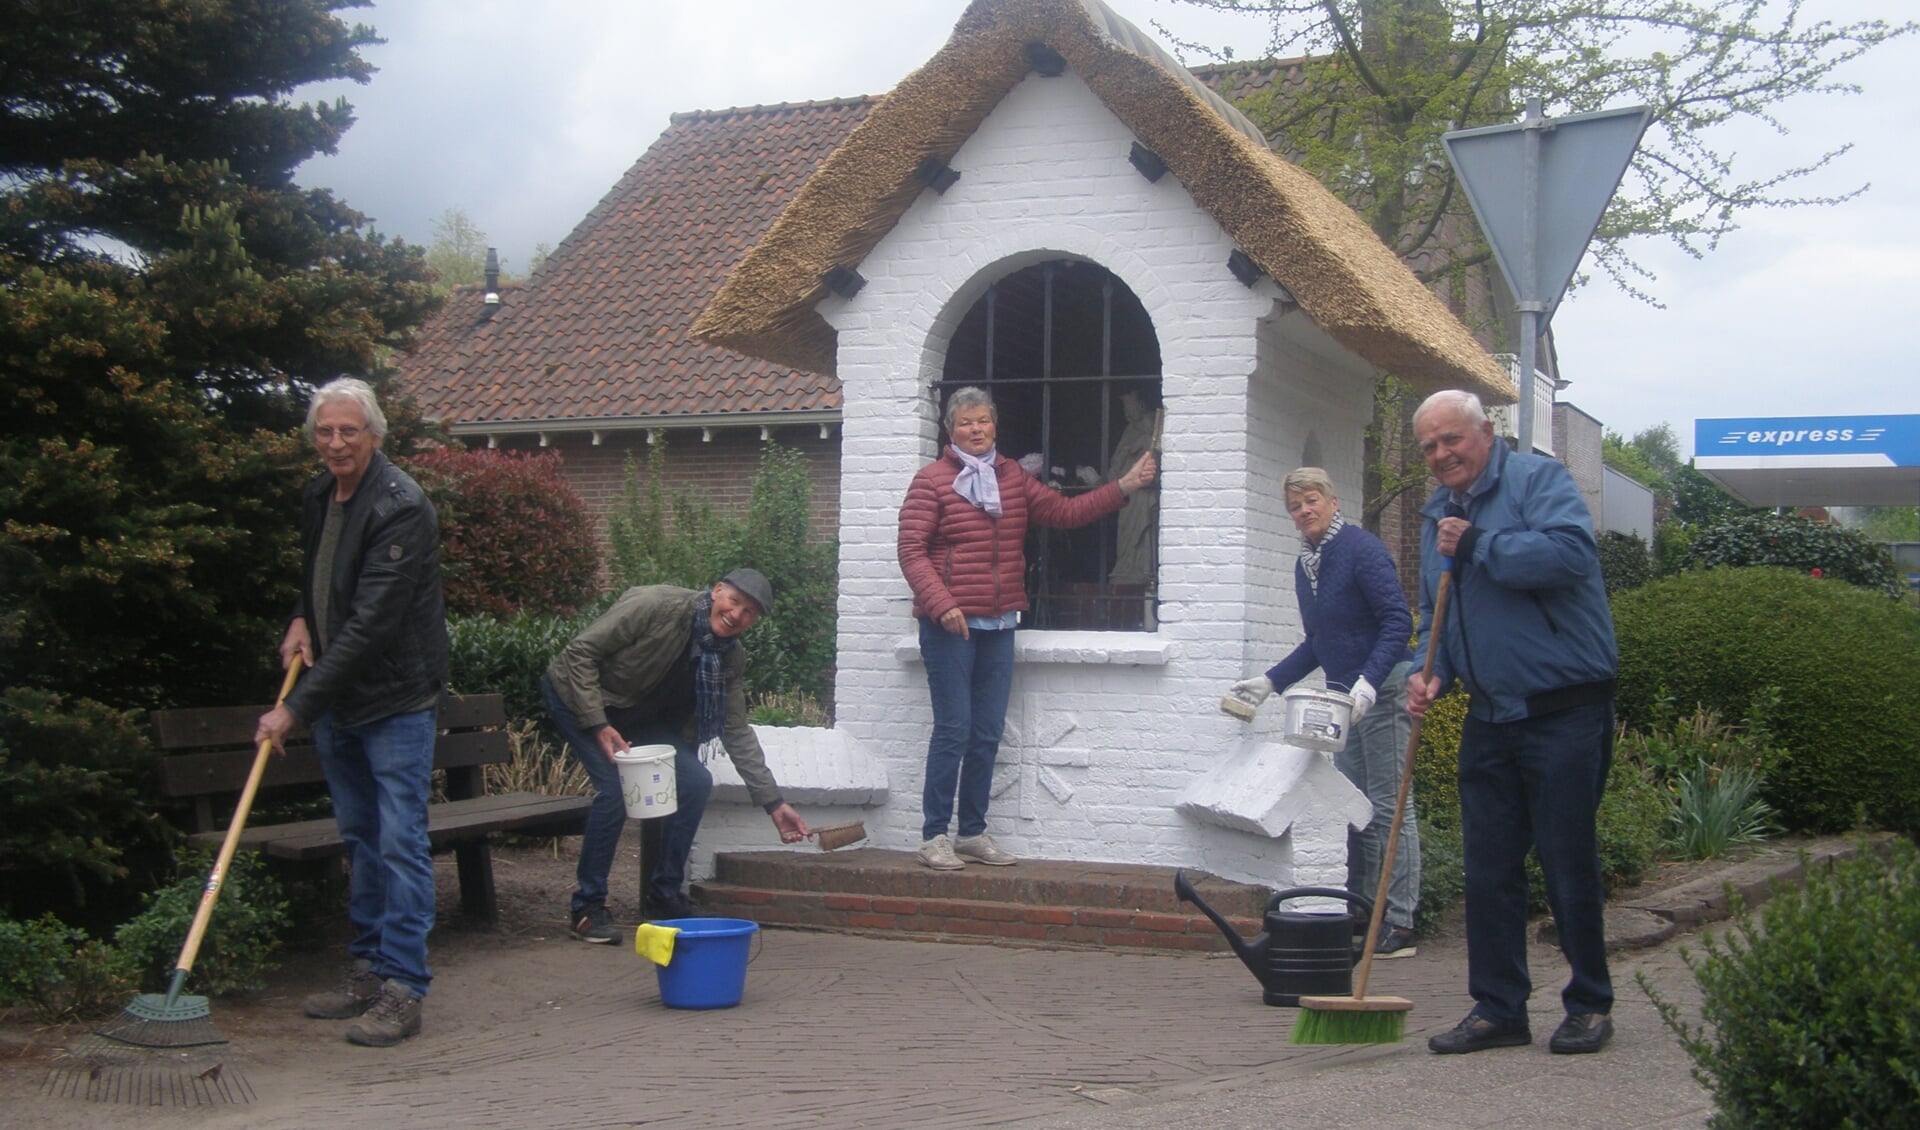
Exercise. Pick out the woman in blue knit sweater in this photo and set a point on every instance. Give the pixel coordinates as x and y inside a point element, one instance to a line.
<point>1358,628</point>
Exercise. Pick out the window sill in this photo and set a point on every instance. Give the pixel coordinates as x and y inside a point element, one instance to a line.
<point>1033,645</point>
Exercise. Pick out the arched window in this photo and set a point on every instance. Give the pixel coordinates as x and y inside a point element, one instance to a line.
<point>1073,365</point>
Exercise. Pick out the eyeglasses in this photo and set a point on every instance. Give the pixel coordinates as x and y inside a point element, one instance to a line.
<point>346,435</point>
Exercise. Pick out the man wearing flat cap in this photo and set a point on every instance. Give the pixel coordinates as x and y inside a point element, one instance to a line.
<point>663,666</point>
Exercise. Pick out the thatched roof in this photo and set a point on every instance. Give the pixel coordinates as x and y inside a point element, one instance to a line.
<point>1338,271</point>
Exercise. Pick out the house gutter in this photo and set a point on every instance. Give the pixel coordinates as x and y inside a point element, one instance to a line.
<point>601,427</point>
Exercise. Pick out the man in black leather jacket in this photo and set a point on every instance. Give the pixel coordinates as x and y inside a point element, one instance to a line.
<point>371,626</point>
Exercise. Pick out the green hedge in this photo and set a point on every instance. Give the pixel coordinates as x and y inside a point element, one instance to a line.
<point>1812,1017</point>
<point>1818,549</point>
<point>1846,662</point>
<point>1625,561</point>
<point>507,656</point>
<point>1436,768</point>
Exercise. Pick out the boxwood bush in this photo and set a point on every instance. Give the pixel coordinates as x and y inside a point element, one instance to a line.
<point>1842,657</point>
<point>1813,1017</point>
<point>242,936</point>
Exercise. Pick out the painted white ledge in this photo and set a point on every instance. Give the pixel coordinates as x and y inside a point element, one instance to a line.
<point>814,766</point>
<point>1272,789</point>
<point>1117,649</point>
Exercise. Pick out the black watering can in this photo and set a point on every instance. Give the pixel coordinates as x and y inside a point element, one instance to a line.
<point>1296,954</point>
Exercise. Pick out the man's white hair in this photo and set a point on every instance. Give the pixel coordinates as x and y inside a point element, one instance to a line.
<point>1454,400</point>
<point>352,391</point>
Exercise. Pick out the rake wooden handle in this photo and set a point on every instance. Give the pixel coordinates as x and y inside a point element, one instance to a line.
<point>1400,802</point>
<point>204,914</point>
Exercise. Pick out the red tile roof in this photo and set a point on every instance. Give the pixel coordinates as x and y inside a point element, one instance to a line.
<point>599,333</point>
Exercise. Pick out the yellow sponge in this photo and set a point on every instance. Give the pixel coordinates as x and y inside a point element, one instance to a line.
<point>654,943</point>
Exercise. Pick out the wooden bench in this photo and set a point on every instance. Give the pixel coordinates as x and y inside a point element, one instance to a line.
<point>207,754</point>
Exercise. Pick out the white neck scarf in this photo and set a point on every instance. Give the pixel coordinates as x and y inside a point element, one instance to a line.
<point>976,481</point>
<point>1310,560</point>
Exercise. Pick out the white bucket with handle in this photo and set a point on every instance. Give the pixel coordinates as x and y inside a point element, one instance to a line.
<point>1317,719</point>
<point>646,781</point>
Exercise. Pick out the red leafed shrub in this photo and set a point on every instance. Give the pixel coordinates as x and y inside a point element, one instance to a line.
<point>513,535</point>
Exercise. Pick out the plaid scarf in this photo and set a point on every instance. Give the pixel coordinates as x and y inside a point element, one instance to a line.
<point>709,681</point>
<point>976,481</point>
<point>1310,560</point>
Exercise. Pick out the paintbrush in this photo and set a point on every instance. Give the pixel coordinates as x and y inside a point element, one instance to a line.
<point>840,835</point>
<point>1237,706</point>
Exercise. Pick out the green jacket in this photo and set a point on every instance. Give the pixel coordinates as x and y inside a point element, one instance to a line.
<point>628,651</point>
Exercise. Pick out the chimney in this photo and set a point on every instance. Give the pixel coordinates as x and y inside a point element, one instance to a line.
<point>490,304</point>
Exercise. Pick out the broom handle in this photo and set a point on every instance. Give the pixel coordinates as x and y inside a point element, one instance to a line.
<point>1406,786</point>
<point>202,916</point>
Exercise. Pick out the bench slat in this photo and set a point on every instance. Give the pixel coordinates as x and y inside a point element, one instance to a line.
<point>448,823</point>
<point>225,770</point>
<point>202,727</point>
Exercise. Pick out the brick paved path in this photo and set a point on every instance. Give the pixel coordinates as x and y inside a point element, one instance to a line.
<point>844,1031</point>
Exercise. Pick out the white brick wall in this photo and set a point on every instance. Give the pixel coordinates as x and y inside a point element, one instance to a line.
<point>1104,736</point>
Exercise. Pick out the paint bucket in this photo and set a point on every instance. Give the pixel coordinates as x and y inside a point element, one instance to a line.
<point>1317,719</point>
<point>709,965</point>
<point>646,781</point>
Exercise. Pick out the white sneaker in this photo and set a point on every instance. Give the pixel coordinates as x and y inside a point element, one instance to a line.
<point>982,849</point>
<point>937,853</point>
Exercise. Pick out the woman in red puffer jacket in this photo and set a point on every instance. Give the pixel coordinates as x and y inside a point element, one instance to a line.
<point>962,529</point>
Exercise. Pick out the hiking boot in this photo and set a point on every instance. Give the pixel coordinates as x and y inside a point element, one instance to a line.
<point>354,995</point>
<point>654,908</point>
<point>982,849</point>
<point>937,853</point>
<point>1581,1033</point>
<point>395,1015</point>
<point>1477,1033</point>
<point>1395,941</point>
<point>594,926</point>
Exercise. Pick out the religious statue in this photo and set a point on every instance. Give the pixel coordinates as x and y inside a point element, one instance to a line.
<point>1139,518</point>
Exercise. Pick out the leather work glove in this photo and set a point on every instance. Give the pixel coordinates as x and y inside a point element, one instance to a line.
<point>1363,696</point>
<point>1253,691</point>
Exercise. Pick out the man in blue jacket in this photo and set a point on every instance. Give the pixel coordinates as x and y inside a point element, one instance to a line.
<point>1529,635</point>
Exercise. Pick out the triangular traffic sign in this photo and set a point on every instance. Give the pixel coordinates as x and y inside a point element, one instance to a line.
<point>1582,158</point>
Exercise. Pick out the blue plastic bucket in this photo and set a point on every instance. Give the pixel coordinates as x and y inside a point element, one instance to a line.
<point>709,966</point>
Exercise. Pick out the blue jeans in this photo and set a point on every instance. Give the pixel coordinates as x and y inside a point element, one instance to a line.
<point>380,774</point>
<point>1376,753</point>
<point>693,784</point>
<point>1536,782</point>
<point>970,680</point>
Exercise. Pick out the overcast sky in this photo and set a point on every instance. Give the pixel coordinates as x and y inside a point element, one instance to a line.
<point>523,113</point>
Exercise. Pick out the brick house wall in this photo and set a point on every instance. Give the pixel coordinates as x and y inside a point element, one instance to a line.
<point>718,471</point>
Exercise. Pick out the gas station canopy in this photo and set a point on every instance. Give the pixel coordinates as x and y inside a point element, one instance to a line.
<point>1813,460</point>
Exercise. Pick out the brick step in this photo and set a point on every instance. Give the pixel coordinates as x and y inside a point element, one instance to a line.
<point>1043,903</point>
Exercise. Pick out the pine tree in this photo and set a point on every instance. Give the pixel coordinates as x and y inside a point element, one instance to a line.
<point>172,296</point>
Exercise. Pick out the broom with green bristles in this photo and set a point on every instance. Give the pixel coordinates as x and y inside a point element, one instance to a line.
<point>1361,1019</point>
